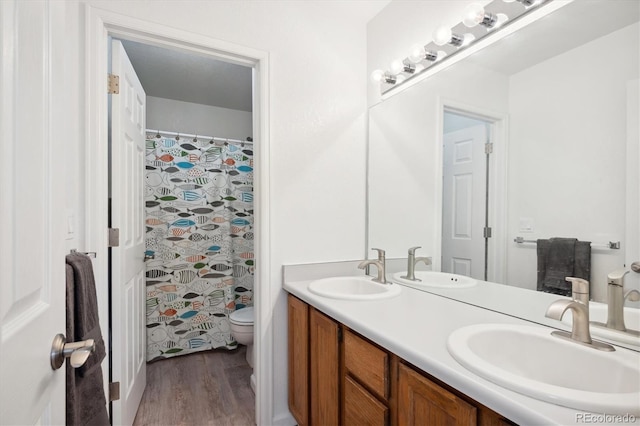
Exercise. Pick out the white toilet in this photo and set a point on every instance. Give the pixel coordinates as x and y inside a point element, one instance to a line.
<point>242,329</point>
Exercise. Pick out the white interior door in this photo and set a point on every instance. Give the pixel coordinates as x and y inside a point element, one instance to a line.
<point>463,204</point>
<point>32,177</point>
<point>128,112</point>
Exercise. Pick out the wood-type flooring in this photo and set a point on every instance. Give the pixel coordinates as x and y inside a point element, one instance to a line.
<point>203,388</point>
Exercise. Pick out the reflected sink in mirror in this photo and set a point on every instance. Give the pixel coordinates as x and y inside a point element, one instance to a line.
<point>530,361</point>
<point>353,288</point>
<point>598,314</point>
<point>435,280</point>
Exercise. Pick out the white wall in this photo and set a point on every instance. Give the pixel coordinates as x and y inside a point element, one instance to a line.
<point>318,89</point>
<point>187,117</point>
<point>573,168</point>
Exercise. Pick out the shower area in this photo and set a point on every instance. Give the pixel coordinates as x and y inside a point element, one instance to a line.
<point>199,240</point>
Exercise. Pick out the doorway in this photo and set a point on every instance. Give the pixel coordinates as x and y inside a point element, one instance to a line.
<point>198,213</point>
<point>101,26</point>
<point>472,199</point>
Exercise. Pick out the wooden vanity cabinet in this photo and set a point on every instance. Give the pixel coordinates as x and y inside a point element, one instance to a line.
<point>314,361</point>
<point>337,377</point>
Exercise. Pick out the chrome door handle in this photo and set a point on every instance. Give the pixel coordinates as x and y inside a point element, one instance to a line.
<point>77,352</point>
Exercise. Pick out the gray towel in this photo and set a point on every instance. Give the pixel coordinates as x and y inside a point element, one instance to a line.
<point>559,258</point>
<point>86,403</point>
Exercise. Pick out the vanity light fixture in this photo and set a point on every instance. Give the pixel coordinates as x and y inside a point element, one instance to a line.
<point>402,66</point>
<point>381,76</point>
<point>443,35</point>
<point>419,53</point>
<point>475,14</point>
<point>452,40</point>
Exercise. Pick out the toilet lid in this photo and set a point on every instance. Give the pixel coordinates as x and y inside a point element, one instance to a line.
<point>242,316</point>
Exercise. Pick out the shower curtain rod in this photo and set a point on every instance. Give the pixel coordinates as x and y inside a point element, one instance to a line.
<point>187,135</point>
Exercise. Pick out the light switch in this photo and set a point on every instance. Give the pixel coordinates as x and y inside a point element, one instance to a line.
<point>526,224</point>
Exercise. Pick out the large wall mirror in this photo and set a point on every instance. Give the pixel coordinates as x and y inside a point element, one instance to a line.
<point>535,137</point>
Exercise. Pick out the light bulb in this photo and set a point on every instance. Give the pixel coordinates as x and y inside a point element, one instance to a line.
<point>416,54</point>
<point>473,15</point>
<point>396,67</point>
<point>442,35</point>
<point>377,76</point>
<point>400,78</point>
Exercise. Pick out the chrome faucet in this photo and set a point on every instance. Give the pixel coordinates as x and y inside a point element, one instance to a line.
<point>380,266</point>
<point>616,298</point>
<point>579,306</point>
<point>412,260</point>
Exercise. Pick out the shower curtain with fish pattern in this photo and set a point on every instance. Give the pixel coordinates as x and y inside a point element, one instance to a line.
<point>199,233</point>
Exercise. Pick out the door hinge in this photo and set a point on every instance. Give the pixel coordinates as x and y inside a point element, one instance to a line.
<point>114,391</point>
<point>487,232</point>
<point>488,148</point>
<point>113,84</point>
<point>114,237</point>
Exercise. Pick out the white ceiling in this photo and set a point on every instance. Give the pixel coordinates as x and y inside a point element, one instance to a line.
<point>189,77</point>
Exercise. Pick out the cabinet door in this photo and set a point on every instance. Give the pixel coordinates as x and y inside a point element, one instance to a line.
<point>299,360</point>
<point>361,408</point>
<point>325,377</point>
<point>422,402</point>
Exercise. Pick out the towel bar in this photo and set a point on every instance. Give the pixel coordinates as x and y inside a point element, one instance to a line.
<point>613,245</point>
<point>91,254</point>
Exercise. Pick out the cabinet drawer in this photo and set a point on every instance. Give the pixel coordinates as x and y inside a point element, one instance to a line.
<point>368,363</point>
<point>362,408</point>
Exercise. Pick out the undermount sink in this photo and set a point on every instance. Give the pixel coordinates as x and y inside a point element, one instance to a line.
<point>598,314</point>
<point>529,360</point>
<point>436,279</point>
<point>353,288</point>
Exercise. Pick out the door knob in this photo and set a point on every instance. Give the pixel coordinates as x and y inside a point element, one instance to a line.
<point>77,352</point>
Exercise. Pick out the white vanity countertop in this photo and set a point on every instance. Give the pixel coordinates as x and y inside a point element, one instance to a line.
<point>415,325</point>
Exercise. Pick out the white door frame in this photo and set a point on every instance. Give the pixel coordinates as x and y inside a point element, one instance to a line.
<point>497,182</point>
<point>100,24</point>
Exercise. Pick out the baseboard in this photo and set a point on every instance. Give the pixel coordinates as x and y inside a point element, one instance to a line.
<point>284,419</point>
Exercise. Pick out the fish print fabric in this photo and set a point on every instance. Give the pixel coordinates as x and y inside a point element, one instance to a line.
<point>199,230</point>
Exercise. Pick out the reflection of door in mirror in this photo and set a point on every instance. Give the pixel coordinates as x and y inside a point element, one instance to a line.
<point>465,191</point>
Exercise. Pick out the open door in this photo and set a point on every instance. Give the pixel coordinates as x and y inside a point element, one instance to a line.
<point>32,193</point>
<point>128,111</point>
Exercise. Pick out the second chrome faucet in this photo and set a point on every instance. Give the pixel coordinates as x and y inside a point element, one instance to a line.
<point>412,260</point>
<point>616,298</point>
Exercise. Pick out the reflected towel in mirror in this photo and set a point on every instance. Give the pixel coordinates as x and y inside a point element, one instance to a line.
<point>559,258</point>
